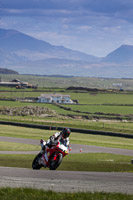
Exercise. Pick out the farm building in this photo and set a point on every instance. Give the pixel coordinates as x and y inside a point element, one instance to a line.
<point>16,83</point>
<point>13,83</point>
<point>54,98</point>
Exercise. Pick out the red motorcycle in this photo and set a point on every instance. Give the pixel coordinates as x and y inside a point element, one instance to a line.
<point>51,158</point>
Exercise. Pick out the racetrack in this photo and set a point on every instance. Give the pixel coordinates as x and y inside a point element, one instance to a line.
<point>75,148</point>
<point>67,181</point>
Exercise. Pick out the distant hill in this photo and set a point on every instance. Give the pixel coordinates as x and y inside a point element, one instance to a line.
<point>27,55</point>
<point>7,71</point>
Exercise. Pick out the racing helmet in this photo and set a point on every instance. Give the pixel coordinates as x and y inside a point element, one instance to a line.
<point>65,132</point>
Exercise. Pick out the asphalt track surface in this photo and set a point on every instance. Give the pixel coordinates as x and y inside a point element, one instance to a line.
<point>67,181</point>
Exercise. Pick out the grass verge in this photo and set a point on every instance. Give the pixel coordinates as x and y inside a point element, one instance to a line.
<point>99,162</point>
<point>12,146</point>
<point>34,194</point>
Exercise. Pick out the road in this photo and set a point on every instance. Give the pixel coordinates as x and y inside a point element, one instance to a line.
<point>67,181</point>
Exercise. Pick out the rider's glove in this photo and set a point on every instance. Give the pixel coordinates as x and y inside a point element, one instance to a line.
<point>41,141</point>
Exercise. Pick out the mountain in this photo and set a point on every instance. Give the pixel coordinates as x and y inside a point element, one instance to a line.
<point>33,49</point>
<point>27,55</point>
<point>124,54</point>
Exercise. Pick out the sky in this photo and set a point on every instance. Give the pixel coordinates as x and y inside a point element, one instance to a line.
<point>95,27</point>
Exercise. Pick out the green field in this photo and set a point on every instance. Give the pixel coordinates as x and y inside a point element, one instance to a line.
<point>121,104</point>
<point>92,109</point>
<point>83,98</point>
<point>95,109</point>
<point>103,98</point>
<point>92,105</point>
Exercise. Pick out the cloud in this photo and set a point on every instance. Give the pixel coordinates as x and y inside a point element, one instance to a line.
<point>74,12</point>
<point>121,9</point>
<point>101,6</point>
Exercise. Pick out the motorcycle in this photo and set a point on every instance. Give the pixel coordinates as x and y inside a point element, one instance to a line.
<point>51,158</point>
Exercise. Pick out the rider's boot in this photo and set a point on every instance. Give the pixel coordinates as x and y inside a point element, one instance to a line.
<point>42,143</point>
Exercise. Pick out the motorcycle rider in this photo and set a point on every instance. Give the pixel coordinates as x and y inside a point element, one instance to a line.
<point>62,136</point>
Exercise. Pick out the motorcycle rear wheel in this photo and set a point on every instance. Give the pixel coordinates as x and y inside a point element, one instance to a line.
<point>35,163</point>
<point>55,164</point>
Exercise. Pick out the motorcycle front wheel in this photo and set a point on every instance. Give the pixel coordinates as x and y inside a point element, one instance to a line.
<point>55,163</point>
<point>35,163</point>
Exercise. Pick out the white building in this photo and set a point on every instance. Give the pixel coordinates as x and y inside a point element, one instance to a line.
<point>117,84</point>
<point>54,98</point>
